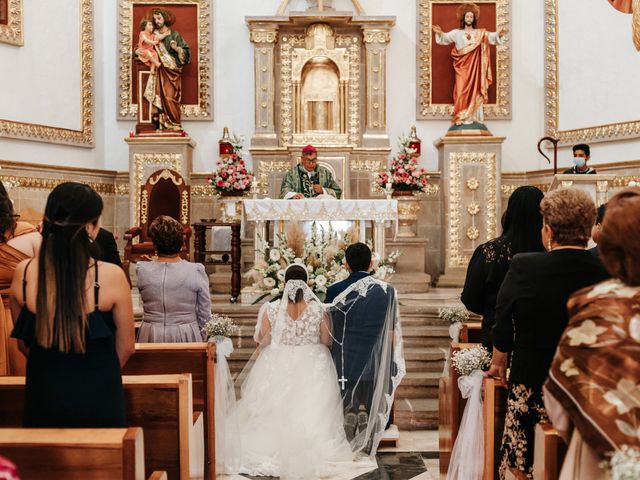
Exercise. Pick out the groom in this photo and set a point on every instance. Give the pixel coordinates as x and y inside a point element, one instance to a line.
<point>358,332</point>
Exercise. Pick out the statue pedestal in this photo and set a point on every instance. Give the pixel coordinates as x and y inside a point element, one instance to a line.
<point>148,154</point>
<point>410,276</point>
<point>470,182</point>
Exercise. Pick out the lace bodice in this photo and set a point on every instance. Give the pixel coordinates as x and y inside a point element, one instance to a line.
<point>303,331</point>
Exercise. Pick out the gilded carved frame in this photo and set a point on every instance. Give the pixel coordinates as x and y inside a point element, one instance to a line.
<point>45,133</point>
<point>552,86</point>
<point>288,44</point>
<point>127,106</point>
<point>12,33</point>
<point>426,110</point>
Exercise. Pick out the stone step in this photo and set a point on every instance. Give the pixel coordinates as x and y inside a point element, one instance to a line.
<point>416,413</point>
<point>419,385</point>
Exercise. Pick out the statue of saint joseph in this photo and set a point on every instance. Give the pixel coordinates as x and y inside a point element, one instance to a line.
<point>471,63</point>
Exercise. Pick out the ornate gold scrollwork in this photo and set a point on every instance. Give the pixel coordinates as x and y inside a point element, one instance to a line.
<point>12,32</point>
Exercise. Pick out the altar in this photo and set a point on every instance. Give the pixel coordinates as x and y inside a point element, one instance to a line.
<point>379,213</point>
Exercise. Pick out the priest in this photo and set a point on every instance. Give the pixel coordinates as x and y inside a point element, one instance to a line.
<point>308,179</point>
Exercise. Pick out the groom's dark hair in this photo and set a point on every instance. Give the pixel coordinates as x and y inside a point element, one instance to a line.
<point>358,257</point>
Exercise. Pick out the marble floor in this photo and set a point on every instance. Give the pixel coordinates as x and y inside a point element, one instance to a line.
<point>415,457</point>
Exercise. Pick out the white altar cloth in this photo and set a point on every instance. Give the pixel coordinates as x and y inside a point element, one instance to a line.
<point>378,210</point>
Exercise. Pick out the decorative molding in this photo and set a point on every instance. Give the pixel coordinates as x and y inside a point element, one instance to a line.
<point>141,164</point>
<point>24,183</point>
<point>12,33</point>
<point>376,36</point>
<point>428,111</point>
<point>264,36</point>
<point>127,105</point>
<point>50,134</point>
<point>488,187</point>
<point>552,86</point>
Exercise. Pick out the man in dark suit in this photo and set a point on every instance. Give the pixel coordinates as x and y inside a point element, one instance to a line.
<point>107,249</point>
<point>358,327</point>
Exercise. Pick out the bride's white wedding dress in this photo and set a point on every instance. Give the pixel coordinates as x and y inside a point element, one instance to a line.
<point>290,415</point>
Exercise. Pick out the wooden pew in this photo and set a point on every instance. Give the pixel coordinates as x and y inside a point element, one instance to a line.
<point>198,359</point>
<point>450,409</point>
<point>77,454</point>
<point>471,332</point>
<point>160,404</point>
<point>494,411</point>
<point>549,452</point>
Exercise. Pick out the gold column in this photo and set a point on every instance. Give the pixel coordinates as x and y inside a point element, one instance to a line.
<point>376,40</point>
<point>264,37</point>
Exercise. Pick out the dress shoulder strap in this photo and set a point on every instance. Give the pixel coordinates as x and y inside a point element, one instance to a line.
<point>24,283</point>
<point>96,287</point>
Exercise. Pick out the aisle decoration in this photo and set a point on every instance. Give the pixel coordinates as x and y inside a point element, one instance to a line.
<point>467,456</point>
<point>624,464</point>
<point>455,316</point>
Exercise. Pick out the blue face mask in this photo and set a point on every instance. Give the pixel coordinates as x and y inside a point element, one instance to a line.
<point>579,162</point>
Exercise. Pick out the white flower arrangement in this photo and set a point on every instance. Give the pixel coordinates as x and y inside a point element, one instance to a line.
<point>219,326</point>
<point>624,464</point>
<point>454,314</point>
<point>322,253</point>
<point>467,360</point>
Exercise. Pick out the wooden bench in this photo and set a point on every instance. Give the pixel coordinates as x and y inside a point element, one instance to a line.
<point>549,453</point>
<point>450,409</point>
<point>198,359</point>
<point>160,404</point>
<point>471,332</point>
<point>77,454</point>
<point>494,411</point>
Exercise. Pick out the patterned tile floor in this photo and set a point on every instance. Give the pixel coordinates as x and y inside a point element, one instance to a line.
<point>415,457</point>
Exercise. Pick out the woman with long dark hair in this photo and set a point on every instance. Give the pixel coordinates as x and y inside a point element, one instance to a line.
<point>75,319</point>
<point>521,225</point>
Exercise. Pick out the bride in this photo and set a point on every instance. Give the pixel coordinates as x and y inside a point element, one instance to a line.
<point>289,418</point>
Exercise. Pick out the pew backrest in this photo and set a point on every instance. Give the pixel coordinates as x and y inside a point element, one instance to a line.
<point>160,404</point>
<point>75,454</point>
<point>549,452</point>
<point>494,411</point>
<point>198,359</point>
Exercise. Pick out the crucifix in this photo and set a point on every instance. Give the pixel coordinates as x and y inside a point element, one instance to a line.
<point>342,381</point>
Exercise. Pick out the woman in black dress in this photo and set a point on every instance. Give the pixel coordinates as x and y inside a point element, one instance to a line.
<point>75,319</point>
<point>521,225</point>
<point>531,315</point>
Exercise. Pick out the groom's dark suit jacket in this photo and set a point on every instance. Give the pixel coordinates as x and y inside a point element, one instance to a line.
<point>364,326</point>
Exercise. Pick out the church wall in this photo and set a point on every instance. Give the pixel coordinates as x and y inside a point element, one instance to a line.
<point>40,88</point>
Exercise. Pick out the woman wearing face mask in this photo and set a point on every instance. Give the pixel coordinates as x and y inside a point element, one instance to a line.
<point>581,155</point>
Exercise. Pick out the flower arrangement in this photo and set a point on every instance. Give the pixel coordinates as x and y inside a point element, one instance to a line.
<point>624,464</point>
<point>453,314</point>
<point>322,254</point>
<point>219,326</point>
<point>404,172</point>
<point>467,360</point>
<point>232,175</point>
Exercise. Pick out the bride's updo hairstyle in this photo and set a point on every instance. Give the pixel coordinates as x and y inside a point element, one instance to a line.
<point>296,272</point>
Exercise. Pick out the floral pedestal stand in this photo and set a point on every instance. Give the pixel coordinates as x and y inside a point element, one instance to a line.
<point>408,208</point>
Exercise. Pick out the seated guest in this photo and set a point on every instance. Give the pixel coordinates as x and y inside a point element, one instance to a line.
<point>107,248</point>
<point>308,180</point>
<point>593,384</point>
<point>521,225</point>
<point>531,315</point>
<point>175,293</point>
<point>595,231</point>
<point>581,155</point>
<point>74,319</point>
<point>18,241</point>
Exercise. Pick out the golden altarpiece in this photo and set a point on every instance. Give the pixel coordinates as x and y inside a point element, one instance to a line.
<point>320,78</point>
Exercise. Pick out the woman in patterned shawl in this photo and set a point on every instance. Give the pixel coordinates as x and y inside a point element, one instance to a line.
<point>594,382</point>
